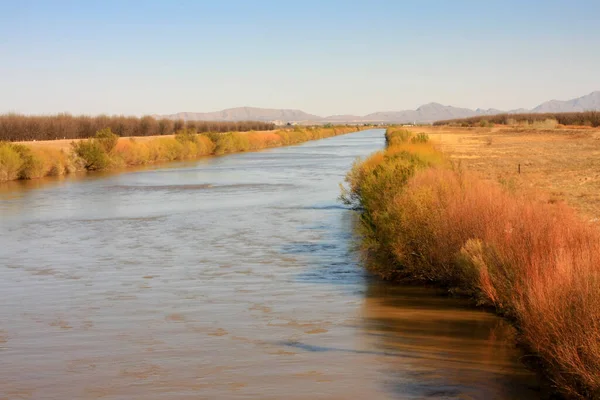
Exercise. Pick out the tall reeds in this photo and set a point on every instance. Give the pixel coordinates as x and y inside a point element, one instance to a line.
<point>536,263</point>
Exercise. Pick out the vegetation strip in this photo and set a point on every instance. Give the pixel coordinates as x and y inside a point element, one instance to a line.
<point>15,127</point>
<point>585,118</point>
<point>107,151</point>
<point>538,264</point>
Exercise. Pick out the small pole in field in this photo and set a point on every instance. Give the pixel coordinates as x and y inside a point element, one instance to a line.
<point>519,168</point>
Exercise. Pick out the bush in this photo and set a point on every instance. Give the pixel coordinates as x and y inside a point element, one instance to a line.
<point>186,135</point>
<point>232,142</point>
<point>204,145</point>
<point>10,162</point>
<point>420,138</point>
<point>21,162</point>
<point>213,136</point>
<point>92,153</point>
<point>95,152</point>
<point>34,164</point>
<point>131,152</point>
<point>106,139</point>
<point>258,141</point>
<point>169,149</point>
<point>58,162</point>
<point>397,136</point>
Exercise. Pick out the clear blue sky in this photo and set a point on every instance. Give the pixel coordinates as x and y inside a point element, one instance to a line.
<point>324,57</point>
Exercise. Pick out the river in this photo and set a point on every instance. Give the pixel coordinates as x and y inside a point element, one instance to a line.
<point>230,277</point>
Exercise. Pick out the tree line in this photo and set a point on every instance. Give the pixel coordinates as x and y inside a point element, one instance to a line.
<point>17,127</point>
<point>586,118</point>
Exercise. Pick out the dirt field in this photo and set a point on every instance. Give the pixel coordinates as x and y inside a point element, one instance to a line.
<point>562,163</point>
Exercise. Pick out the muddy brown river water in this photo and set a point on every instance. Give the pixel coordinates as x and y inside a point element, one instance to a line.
<point>226,278</point>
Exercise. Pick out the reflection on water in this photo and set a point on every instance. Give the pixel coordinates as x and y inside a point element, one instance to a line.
<point>231,277</point>
<point>443,347</point>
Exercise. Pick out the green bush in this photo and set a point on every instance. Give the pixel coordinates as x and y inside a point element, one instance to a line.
<point>10,162</point>
<point>224,144</point>
<point>420,138</point>
<point>397,136</point>
<point>186,135</point>
<point>232,142</point>
<point>171,149</point>
<point>213,136</point>
<point>92,153</point>
<point>107,139</point>
<point>33,166</point>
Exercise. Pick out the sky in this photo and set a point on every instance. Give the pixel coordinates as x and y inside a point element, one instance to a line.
<point>322,56</point>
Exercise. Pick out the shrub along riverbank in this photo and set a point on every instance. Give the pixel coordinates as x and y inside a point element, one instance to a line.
<point>107,151</point>
<point>536,263</point>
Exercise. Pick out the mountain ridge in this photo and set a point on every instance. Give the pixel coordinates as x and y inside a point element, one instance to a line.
<point>584,103</point>
<point>426,113</point>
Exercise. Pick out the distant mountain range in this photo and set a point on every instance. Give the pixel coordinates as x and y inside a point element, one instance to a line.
<point>426,113</point>
<point>246,114</point>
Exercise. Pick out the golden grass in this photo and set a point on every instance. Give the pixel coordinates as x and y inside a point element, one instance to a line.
<point>537,262</point>
<point>558,164</point>
<point>263,140</point>
<point>37,159</point>
<point>22,162</point>
<point>10,162</point>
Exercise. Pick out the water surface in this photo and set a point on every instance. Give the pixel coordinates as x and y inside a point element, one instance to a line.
<point>227,278</point>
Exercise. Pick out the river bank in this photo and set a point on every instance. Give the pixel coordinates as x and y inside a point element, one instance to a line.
<point>31,160</point>
<point>535,262</point>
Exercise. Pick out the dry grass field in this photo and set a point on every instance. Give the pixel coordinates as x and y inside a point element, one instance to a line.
<point>562,164</point>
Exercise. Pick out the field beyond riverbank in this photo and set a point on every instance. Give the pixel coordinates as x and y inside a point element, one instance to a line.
<point>30,160</point>
<point>427,219</point>
<point>66,144</point>
<point>561,164</point>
